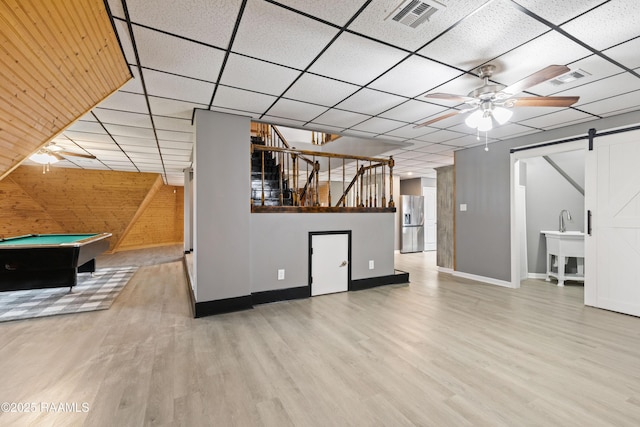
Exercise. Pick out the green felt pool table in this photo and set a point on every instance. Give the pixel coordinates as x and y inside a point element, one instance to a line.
<point>48,260</point>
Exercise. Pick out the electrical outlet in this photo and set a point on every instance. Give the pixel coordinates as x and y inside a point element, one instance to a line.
<point>463,207</point>
<point>281,274</point>
<point>371,264</point>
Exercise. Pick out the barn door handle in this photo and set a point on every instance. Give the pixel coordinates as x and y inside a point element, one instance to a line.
<point>343,263</point>
<point>589,222</point>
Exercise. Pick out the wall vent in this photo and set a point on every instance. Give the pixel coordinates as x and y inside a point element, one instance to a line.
<point>413,13</point>
<point>569,77</point>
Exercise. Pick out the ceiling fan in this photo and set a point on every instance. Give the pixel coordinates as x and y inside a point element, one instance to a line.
<point>51,153</point>
<point>491,101</point>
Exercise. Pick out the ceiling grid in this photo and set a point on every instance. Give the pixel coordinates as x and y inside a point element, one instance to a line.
<point>341,67</point>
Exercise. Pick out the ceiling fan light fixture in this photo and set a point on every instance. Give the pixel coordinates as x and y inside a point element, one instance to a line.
<point>43,158</point>
<point>485,124</point>
<point>473,119</point>
<point>502,115</point>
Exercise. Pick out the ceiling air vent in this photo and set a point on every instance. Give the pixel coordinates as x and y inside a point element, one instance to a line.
<point>413,13</point>
<point>569,77</point>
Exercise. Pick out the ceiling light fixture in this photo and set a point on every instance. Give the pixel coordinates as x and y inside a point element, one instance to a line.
<point>43,158</point>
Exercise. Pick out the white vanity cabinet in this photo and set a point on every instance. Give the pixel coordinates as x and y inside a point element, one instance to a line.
<point>564,245</point>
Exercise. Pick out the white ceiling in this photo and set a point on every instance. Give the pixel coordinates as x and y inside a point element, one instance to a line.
<point>339,66</point>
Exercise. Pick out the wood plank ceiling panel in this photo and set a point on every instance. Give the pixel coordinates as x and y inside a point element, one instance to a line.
<point>58,60</point>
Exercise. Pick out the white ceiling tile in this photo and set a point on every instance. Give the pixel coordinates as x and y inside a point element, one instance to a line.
<point>175,135</point>
<point>276,34</point>
<point>122,118</point>
<point>626,53</point>
<point>241,72</point>
<point>558,12</point>
<point>133,85</point>
<point>482,36</point>
<point>551,48</point>
<point>320,90</point>
<point>250,114</point>
<point>179,56</point>
<point>173,108</point>
<point>368,101</point>
<point>372,22</point>
<point>559,118</point>
<point>282,121</point>
<point>243,100</point>
<point>131,131</point>
<point>614,105</point>
<point>378,125</point>
<point>510,130</point>
<point>180,88</point>
<point>414,76</point>
<point>82,126</point>
<point>129,140</point>
<point>433,148</point>
<point>338,12</point>
<point>209,21</point>
<point>188,146</point>
<point>441,136</point>
<point>126,101</point>
<point>413,111</point>
<point>605,88</point>
<point>172,123</point>
<point>125,41</point>
<point>409,131</point>
<point>83,138</point>
<point>607,25</point>
<point>596,67</point>
<point>360,133</point>
<point>340,118</point>
<point>287,108</point>
<point>356,60</point>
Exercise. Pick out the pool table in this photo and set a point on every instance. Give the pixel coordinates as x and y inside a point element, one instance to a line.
<point>48,260</point>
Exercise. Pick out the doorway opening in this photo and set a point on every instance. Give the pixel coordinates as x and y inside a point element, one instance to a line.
<point>545,181</point>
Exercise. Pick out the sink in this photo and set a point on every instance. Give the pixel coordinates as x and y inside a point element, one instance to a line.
<point>563,233</point>
<point>563,245</point>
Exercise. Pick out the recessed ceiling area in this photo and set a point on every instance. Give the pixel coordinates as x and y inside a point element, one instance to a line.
<point>339,67</point>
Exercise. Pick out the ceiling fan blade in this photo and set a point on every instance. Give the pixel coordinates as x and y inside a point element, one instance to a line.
<point>545,101</point>
<point>538,77</point>
<point>70,154</point>
<point>56,155</point>
<point>444,116</point>
<point>449,97</point>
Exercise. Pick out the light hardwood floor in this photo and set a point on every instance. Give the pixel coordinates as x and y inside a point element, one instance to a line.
<point>436,352</point>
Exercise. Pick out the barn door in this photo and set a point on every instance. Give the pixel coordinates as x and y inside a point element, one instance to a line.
<point>612,243</point>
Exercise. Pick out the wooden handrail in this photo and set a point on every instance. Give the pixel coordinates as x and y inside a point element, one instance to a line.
<point>321,154</point>
<point>288,173</point>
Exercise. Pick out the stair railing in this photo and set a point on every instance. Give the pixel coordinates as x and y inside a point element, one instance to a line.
<point>367,187</point>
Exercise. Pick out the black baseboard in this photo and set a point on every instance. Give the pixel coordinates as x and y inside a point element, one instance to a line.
<point>281,295</point>
<point>372,282</point>
<point>227,305</point>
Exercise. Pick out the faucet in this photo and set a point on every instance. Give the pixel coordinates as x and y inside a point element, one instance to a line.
<point>561,225</point>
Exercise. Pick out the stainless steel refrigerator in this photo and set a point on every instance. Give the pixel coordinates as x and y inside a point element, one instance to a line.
<point>412,217</point>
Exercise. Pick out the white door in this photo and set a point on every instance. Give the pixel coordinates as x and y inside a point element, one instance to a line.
<point>329,263</point>
<point>430,218</point>
<point>612,197</point>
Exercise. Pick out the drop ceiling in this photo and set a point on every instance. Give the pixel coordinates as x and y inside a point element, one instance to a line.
<point>339,66</point>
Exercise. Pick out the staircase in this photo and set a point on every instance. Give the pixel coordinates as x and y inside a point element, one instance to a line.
<point>271,179</point>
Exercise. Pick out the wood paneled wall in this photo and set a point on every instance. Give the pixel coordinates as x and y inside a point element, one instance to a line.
<point>446,217</point>
<point>136,208</point>
<point>59,60</point>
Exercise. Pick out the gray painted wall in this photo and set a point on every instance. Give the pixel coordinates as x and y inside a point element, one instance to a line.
<point>221,206</point>
<point>483,243</point>
<point>547,193</point>
<point>445,214</point>
<point>281,241</point>
<point>413,186</point>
